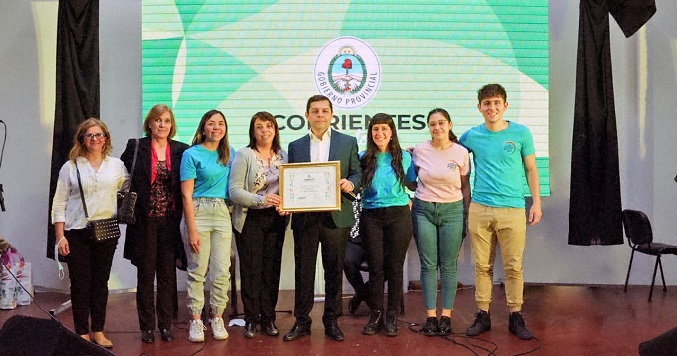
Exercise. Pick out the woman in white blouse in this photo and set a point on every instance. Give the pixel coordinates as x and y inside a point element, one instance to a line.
<point>89,263</point>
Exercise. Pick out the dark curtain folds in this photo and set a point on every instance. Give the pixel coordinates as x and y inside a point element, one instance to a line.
<point>595,205</point>
<point>77,83</point>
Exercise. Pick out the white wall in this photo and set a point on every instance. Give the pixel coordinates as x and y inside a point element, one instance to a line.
<point>645,82</point>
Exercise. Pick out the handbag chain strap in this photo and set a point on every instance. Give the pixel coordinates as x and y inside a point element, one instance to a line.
<point>82,193</point>
<point>131,174</point>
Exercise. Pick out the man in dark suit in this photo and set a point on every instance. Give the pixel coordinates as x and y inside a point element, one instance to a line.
<point>332,229</point>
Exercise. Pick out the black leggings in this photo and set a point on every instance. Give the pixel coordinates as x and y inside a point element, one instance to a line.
<point>387,234</point>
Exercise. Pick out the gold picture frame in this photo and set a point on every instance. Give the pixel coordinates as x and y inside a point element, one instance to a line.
<point>307,187</point>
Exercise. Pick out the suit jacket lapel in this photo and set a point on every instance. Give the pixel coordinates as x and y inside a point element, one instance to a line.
<point>334,146</point>
<point>305,149</point>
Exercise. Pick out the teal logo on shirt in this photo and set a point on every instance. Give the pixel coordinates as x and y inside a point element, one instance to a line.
<point>509,147</point>
<point>452,165</point>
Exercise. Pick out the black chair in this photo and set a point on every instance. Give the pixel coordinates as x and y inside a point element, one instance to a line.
<point>640,238</point>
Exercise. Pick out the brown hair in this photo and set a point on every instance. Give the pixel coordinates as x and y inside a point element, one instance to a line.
<point>155,113</point>
<point>224,146</point>
<point>491,91</point>
<point>264,116</point>
<point>444,113</point>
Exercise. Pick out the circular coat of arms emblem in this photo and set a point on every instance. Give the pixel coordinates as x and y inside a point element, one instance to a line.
<point>348,72</point>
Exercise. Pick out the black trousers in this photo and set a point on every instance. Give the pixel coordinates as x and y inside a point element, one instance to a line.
<point>355,255</point>
<point>387,234</point>
<point>157,263</point>
<point>259,246</point>
<point>89,266</point>
<point>319,228</point>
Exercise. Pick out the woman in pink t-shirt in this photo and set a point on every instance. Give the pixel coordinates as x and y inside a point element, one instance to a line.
<point>441,198</point>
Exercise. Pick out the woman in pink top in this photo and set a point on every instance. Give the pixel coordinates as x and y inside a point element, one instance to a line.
<point>442,197</point>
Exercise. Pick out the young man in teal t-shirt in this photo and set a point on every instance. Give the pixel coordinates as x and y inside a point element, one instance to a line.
<point>502,152</point>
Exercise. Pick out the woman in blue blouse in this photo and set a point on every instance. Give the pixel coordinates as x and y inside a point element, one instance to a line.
<point>387,171</point>
<point>206,228</point>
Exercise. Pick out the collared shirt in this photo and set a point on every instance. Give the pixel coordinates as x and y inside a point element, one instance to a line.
<point>319,149</point>
<point>100,188</point>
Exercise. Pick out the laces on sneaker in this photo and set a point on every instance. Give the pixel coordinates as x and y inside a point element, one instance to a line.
<point>218,329</point>
<point>196,331</point>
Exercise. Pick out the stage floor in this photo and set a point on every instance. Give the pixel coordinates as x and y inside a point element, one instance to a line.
<point>567,320</point>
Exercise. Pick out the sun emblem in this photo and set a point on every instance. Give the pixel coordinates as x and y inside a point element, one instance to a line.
<point>349,50</point>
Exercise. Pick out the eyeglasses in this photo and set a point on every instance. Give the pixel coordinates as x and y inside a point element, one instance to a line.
<point>96,136</point>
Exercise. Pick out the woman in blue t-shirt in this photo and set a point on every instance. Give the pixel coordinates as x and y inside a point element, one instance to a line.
<point>387,171</point>
<point>206,227</point>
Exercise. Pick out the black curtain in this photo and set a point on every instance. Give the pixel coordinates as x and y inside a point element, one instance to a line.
<point>77,83</point>
<point>595,205</point>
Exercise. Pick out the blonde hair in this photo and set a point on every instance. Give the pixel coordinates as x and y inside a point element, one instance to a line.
<point>79,148</point>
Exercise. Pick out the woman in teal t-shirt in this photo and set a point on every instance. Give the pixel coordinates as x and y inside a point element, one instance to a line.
<point>206,227</point>
<point>386,219</point>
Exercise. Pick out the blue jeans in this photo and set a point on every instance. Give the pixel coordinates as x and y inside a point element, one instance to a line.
<point>438,229</point>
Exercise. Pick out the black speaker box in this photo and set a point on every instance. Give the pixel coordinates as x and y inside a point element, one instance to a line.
<point>664,344</point>
<point>25,335</point>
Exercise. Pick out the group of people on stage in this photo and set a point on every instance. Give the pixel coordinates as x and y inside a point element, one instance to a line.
<point>192,199</point>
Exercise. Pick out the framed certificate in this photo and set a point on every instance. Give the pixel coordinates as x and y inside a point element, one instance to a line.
<point>310,186</point>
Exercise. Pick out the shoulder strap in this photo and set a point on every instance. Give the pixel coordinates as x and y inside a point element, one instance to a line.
<point>131,174</point>
<point>82,193</point>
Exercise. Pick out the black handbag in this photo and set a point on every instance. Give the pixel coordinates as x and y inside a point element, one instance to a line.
<point>126,199</point>
<point>103,230</point>
<point>100,230</point>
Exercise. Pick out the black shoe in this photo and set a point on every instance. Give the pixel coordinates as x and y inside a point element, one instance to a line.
<point>516,326</point>
<point>375,323</point>
<point>481,324</point>
<point>332,330</point>
<point>269,328</point>
<point>353,304</point>
<point>445,326</point>
<point>250,330</point>
<point>430,328</point>
<point>297,332</point>
<point>391,323</point>
<point>166,335</point>
<point>147,336</point>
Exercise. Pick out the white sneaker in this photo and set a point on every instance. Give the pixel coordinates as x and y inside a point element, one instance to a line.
<point>196,333</point>
<point>218,329</point>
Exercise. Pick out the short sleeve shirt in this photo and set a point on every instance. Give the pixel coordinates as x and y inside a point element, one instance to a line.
<point>499,166</point>
<point>211,177</point>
